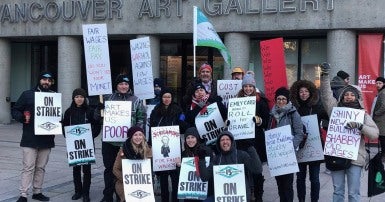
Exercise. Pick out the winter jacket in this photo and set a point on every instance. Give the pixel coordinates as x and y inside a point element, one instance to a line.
<point>186,100</point>
<point>379,112</point>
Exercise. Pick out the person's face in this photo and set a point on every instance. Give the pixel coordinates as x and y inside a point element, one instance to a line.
<point>123,87</point>
<point>199,93</point>
<point>237,76</point>
<point>205,75</point>
<point>46,83</point>
<point>379,85</point>
<point>347,80</point>
<point>349,97</point>
<point>191,141</point>
<point>248,89</point>
<point>79,100</point>
<point>304,94</point>
<point>138,138</point>
<point>166,99</point>
<point>281,101</point>
<point>225,143</point>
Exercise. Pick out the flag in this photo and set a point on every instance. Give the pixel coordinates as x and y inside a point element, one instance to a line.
<point>205,35</point>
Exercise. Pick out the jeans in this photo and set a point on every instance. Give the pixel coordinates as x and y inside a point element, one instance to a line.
<point>314,169</point>
<point>285,187</point>
<point>353,175</point>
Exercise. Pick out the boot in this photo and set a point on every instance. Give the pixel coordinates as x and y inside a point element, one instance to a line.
<point>86,197</point>
<point>258,188</point>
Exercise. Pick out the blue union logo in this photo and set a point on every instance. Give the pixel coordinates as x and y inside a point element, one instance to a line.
<point>228,172</point>
<point>190,163</point>
<point>78,130</point>
<point>139,194</point>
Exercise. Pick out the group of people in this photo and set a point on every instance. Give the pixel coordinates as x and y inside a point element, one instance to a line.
<point>301,99</point>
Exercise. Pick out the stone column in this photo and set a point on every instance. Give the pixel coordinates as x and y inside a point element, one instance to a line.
<point>239,46</point>
<point>155,54</point>
<point>5,83</point>
<point>69,68</point>
<point>341,52</point>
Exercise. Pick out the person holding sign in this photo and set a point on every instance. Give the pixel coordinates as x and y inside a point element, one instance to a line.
<point>378,111</point>
<point>80,113</point>
<point>35,148</point>
<point>305,97</point>
<point>350,97</point>
<point>237,73</point>
<point>135,147</point>
<point>284,113</point>
<point>110,149</point>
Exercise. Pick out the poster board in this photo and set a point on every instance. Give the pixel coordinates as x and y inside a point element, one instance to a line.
<point>210,124</point>
<point>165,147</point>
<point>80,144</point>
<point>227,89</point>
<point>312,151</point>
<point>48,113</point>
<point>229,182</point>
<point>240,113</point>
<point>116,121</point>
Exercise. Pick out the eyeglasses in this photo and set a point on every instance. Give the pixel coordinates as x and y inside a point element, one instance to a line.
<point>281,99</point>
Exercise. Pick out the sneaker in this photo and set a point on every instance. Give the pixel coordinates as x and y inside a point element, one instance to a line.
<point>22,199</point>
<point>40,197</point>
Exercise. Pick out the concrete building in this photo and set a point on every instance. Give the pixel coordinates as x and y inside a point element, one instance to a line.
<point>38,35</point>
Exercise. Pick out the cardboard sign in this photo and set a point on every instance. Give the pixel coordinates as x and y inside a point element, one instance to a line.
<point>342,142</point>
<point>117,120</point>
<point>48,112</point>
<point>97,59</point>
<point>142,67</point>
<point>229,182</point>
<point>80,144</point>
<point>280,151</point>
<point>240,113</point>
<point>312,151</point>
<point>210,123</point>
<point>165,147</point>
<point>190,186</point>
<point>228,89</point>
<point>137,180</point>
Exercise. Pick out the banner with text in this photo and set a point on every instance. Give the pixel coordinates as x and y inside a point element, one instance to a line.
<point>229,182</point>
<point>312,151</point>
<point>142,68</point>
<point>165,147</point>
<point>80,144</point>
<point>117,120</point>
<point>137,180</point>
<point>227,89</point>
<point>240,114</point>
<point>342,142</point>
<point>48,114</point>
<point>98,69</point>
<point>280,151</point>
<point>210,123</point>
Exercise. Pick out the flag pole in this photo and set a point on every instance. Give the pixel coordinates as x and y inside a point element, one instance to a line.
<point>194,38</point>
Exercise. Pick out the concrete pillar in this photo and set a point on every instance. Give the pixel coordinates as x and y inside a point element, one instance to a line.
<point>155,54</point>
<point>5,82</point>
<point>341,52</point>
<point>69,68</point>
<point>239,46</point>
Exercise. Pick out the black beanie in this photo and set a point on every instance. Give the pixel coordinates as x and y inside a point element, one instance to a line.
<point>165,90</point>
<point>133,130</point>
<point>382,79</point>
<point>192,131</point>
<point>282,91</point>
<point>158,82</point>
<point>79,91</point>
<point>46,75</point>
<point>121,78</point>
<point>342,74</point>
<point>199,85</point>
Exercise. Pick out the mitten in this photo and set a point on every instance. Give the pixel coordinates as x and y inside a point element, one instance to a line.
<point>257,120</point>
<point>100,106</point>
<point>325,68</point>
<point>227,122</point>
<point>352,124</point>
<point>302,144</point>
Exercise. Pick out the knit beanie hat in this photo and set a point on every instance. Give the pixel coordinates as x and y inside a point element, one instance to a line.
<point>158,82</point>
<point>352,89</point>
<point>282,91</point>
<point>121,78</point>
<point>79,91</point>
<point>382,79</point>
<point>192,131</point>
<point>133,130</point>
<point>205,66</point>
<point>165,90</point>
<point>248,79</point>
<point>199,85</point>
<point>343,74</point>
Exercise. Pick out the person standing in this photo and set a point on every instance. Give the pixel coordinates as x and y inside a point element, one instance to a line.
<point>378,111</point>
<point>338,82</point>
<point>36,148</point>
<point>237,73</point>
<point>158,85</point>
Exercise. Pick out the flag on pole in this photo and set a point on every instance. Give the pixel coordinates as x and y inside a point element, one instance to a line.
<point>205,35</point>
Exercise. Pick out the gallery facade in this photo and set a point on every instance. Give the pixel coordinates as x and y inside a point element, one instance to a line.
<point>42,35</point>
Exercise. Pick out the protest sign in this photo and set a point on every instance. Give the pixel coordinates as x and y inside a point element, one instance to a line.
<point>117,120</point>
<point>227,89</point>
<point>80,144</point>
<point>137,180</point>
<point>209,123</point>
<point>229,182</point>
<point>48,113</point>
<point>340,141</point>
<point>142,67</point>
<point>240,114</point>
<point>149,110</point>
<point>165,147</point>
<point>97,59</point>
<point>280,151</point>
<point>312,151</point>
<point>190,186</point>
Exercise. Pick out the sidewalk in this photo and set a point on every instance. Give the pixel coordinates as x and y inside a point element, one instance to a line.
<point>58,184</point>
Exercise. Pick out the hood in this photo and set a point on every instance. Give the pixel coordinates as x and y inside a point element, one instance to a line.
<point>294,92</point>
<point>194,132</point>
<point>358,91</point>
<point>228,133</point>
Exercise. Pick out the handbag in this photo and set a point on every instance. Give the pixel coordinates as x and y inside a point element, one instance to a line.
<point>334,163</point>
<point>376,175</point>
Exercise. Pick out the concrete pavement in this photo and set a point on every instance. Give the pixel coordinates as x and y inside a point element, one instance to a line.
<point>58,184</point>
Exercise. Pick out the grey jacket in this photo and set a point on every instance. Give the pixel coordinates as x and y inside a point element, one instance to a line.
<point>379,112</point>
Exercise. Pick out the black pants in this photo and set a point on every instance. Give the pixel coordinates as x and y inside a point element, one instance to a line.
<point>382,143</point>
<point>163,179</point>
<point>80,187</point>
<point>285,187</point>
<point>109,153</point>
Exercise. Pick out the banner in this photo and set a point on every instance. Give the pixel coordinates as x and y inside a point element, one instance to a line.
<point>240,114</point>
<point>342,142</point>
<point>191,186</point>
<point>137,180</point>
<point>165,147</point>
<point>227,89</point>
<point>210,124</point>
<point>274,67</point>
<point>229,182</point>
<point>95,40</point>
<point>369,58</point>
<point>80,144</point>
<point>48,114</point>
<point>280,151</point>
<point>117,120</point>
<point>142,68</point>
<point>312,151</point>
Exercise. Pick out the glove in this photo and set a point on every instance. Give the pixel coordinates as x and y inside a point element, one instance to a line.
<point>227,122</point>
<point>100,106</point>
<point>352,124</point>
<point>325,68</point>
<point>257,120</point>
<point>201,152</point>
<point>201,104</point>
<point>182,117</point>
<point>302,143</point>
